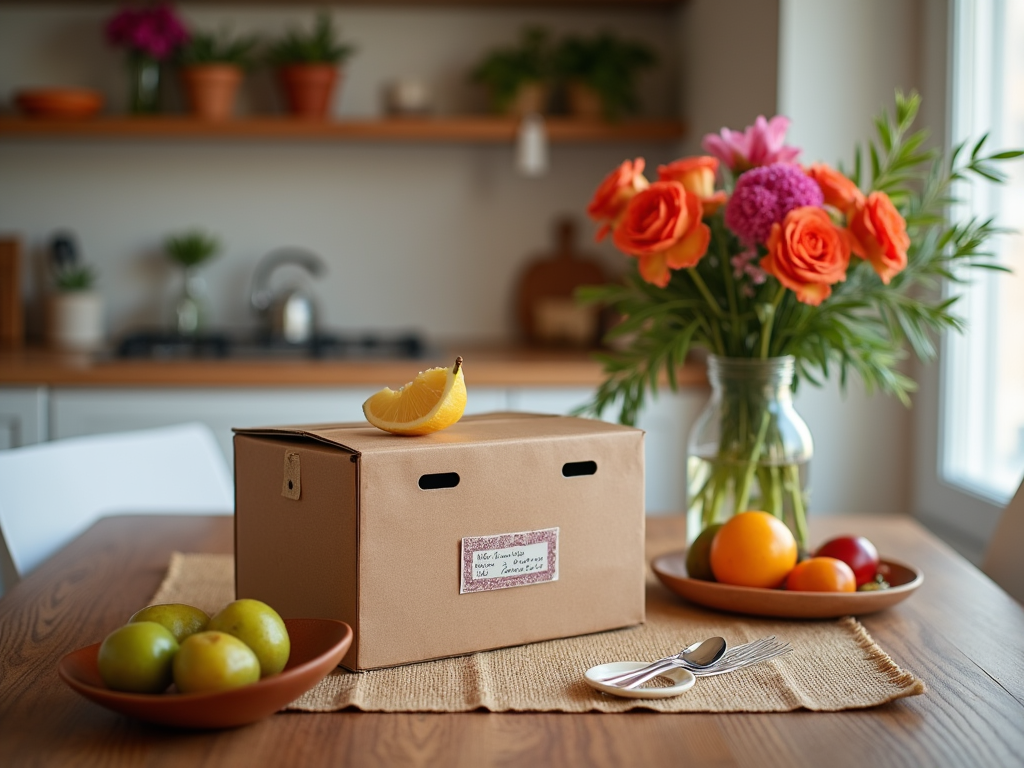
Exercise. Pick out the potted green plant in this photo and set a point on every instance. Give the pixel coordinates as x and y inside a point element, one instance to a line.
<point>517,78</point>
<point>307,65</point>
<point>74,311</point>
<point>211,70</point>
<point>599,74</point>
<point>190,250</point>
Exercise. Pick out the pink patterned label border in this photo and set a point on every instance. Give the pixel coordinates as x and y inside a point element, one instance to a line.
<point>509,560</point>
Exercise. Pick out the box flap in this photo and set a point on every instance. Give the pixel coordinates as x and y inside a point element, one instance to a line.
<point>361,438</point>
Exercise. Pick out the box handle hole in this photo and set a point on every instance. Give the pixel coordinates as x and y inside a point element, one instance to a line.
<point>439,480</point>
<point>577,468</point>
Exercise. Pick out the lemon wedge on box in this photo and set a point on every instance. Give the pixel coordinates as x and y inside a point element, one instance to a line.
<point>435,399</point>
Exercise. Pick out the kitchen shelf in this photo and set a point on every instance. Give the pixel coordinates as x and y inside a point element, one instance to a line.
<point>471,129</point>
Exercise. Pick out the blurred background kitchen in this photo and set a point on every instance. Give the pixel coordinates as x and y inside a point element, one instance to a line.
<point>423,241</point>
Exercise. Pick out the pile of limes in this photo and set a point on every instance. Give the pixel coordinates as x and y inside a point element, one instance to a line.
<point>756,549</point>
<point>179,643</point>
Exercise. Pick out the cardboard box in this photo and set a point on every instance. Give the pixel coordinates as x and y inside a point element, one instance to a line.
<point>503,529</point>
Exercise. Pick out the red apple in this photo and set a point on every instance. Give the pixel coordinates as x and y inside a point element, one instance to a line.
<point>857,552</point>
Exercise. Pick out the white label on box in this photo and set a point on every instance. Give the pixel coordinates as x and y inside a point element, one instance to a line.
<point>509,560</point>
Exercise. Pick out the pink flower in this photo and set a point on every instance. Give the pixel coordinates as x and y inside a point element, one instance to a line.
<point>760,144</point>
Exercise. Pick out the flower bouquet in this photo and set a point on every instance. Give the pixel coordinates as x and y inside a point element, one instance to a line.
<point>786,273</point>
<point>150,35</point>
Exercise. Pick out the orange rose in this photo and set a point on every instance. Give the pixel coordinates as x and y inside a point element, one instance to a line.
<point>841,193</point>
<point>697,175</point>
<point>661,226</point>
<point>807,253</point>
<point>880,235</point>
<point>615,192</point>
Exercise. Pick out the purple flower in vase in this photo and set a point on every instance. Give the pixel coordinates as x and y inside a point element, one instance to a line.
<point>154,32</point>
<point>763,196</point>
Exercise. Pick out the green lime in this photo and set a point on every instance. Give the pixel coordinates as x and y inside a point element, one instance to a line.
<point>260,627</point>
<point>214,661</point>
<point>137,658</point>
<point>182,620</point>
<point>698,558</point>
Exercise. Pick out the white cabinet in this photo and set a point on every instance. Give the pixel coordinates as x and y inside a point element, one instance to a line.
<point>23,416</point>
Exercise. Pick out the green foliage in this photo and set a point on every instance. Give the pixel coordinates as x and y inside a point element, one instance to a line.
<point>191,248</point>
<point>213,48</point>
<point>608,65</point>
<point>865,327</point>
<point>74,277</point>
<point>504,70</point>
<point>320,46</point>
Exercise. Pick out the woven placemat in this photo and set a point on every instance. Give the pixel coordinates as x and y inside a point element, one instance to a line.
<point>835,664</point>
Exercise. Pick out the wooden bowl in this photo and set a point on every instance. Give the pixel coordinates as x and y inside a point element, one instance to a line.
<point>318,645</point>
<point>671,570</point>
<point>59,103</point>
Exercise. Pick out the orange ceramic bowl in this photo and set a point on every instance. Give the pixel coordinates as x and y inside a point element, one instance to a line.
<point>318,646</point>
<point>61,103</point>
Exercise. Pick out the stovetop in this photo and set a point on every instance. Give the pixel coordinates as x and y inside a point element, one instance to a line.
<point>159,345</point>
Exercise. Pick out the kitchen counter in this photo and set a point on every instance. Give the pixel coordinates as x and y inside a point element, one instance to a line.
<point>490,365</point>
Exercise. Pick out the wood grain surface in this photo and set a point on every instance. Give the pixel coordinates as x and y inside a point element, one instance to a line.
<point>460,129</point>
<point>959,632</point>
<point>490,365</point>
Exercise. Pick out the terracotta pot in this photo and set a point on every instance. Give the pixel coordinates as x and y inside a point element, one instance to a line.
<point>308,88</point>
<point>584,101</point>
<point>530,98</point>
<point>211,89</point>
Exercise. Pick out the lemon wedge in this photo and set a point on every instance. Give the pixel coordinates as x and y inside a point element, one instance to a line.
<point>435,399</point>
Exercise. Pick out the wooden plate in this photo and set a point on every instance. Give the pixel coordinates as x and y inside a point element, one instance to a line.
<point>318,645</point>
<point>671,569</point>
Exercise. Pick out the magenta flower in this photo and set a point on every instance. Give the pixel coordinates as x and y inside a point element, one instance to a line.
<point>155,32</point>
<point>763,196</point>
<point>761,144</point>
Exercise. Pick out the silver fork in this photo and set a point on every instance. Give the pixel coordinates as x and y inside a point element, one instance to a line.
<point>744,656</point>
<point>735,652</point>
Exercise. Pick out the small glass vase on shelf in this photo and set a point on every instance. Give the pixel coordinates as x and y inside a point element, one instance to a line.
<point>190,309</point>
<point>749,448</point>
<point>144,82</point>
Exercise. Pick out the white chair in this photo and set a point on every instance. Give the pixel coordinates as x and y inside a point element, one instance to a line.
<point>1003,561</point>
<point>51,492</point>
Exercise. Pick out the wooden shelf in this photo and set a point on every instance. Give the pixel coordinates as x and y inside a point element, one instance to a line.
<point>430,129</point>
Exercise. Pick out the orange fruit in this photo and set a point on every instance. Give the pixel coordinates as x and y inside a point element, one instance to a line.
<point>435,399</point>
<point>822,574</point>
<point>753,549</point>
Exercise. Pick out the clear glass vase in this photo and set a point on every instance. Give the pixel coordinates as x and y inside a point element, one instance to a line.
<point>144,82</point>
<point>749,448</point>
<point>190,309</point>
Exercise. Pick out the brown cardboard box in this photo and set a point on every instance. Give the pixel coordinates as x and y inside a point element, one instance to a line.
<point>344,521</point>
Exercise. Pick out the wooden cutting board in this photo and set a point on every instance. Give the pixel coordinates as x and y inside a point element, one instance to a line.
<point>546,309</point>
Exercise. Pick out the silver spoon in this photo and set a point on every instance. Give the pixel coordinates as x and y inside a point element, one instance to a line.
<point>699,655</point>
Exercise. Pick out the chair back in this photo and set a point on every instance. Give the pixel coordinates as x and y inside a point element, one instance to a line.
<point>51,492</point>
<point>1004,563</point>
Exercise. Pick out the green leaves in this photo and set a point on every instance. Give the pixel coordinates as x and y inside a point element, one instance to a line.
<point>191,248</point>
<point>320,46</point>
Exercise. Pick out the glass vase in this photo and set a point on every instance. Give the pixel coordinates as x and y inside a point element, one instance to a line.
<point>144,81</point>
<point>748,449</point>
<point>190,309</point>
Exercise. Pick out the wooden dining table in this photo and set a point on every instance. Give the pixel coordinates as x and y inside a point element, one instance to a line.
<point>960,633</point>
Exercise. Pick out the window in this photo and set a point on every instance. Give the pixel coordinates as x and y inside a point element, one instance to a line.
<point>982,411</point>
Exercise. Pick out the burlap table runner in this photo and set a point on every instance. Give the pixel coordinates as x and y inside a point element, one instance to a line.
<point>835,664</point>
